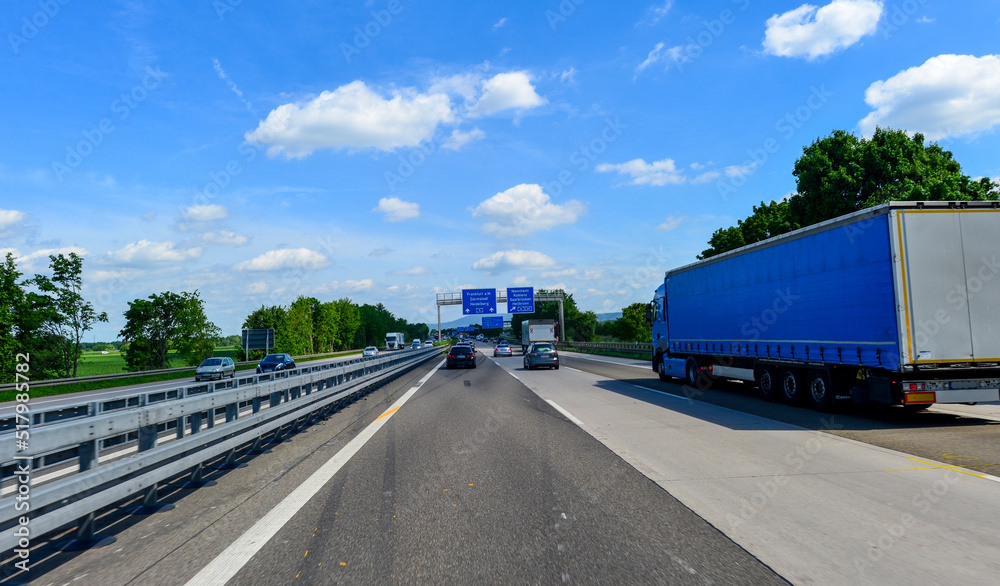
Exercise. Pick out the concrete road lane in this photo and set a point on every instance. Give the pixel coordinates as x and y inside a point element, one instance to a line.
<point>815,507</point>
<point>477,480</point>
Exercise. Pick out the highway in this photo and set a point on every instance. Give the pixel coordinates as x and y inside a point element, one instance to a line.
<point>595,473</point>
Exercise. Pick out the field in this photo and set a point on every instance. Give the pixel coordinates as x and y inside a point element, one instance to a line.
<point>95,363</point>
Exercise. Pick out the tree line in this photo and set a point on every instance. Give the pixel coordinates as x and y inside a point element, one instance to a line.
<point>842,173</point>
<point>310,326</point>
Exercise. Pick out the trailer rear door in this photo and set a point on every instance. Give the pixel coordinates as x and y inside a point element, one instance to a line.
<point>950,298</point>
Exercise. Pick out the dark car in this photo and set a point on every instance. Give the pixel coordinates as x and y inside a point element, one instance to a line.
<point>541,354</point>
<point>215,368</point>
<point>460,355</point>
<point>273,362</point>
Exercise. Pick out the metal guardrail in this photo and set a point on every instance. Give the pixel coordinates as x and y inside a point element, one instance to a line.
<point>81,432</point>
<point>99,377</point>
<point>631,347</point>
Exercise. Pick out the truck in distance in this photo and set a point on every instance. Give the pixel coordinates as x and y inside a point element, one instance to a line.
<point>897,304</point>
<point>394,341</point>
<point>537,330</point>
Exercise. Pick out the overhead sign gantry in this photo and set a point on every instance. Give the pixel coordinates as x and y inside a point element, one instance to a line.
<point>518,299</point>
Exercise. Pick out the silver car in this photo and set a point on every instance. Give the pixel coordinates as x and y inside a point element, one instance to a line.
<point>369,352</point>
<point>215,368</point>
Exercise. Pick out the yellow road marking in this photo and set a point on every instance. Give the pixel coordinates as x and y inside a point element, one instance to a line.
<point>932,466</point>
<point>387,413</point>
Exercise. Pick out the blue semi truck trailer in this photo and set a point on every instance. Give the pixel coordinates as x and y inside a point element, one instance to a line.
<point>897,304</point>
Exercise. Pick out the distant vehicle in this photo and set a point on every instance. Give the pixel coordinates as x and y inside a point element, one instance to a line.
<point>369,352</point>
<point>273,362</point>
<point>428,343</point>
<point>537,330</point>
<point>215,368</point>
<point>394,341</point>
<point>541,354</point>
<point>416,344</point>
<point>461,355</point>
<point>502,350</point>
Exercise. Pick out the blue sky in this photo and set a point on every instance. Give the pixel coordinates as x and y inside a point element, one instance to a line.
<point>388,150</point>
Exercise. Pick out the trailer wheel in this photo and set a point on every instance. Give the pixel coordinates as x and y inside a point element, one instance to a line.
<point>767,383</point>
<point>820,390</point>
<point>791,386</point>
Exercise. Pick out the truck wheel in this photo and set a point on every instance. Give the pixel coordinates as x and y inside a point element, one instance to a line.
<point>695,376</point>
<point>767,383</point>
<point>661,369</point>
<point>820,391</point>
<point>791,386</point>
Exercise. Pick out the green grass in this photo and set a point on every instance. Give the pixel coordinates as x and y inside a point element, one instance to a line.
<point>114,363</point>
<point>636,355</point>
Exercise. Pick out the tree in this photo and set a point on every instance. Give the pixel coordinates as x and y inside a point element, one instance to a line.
<point>152,324</point>
<point>325,327</point>
<point>11,299</point>
<point>298,340</point>
<point>841,173</point>
<point>348,322</point>
<point>72,314</point>
<point>632,325</point>
<point>273,318</point>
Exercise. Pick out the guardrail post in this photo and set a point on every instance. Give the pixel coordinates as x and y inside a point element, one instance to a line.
<point>88,453</point>
<point>149,505</point>
<point>210,420</point>
<point>197,479</point>
<point>230,462</point>
<point>147,437</point>
<point>180,428</point>
<point>256,405</point>
<point>232,412</point>
<point>195,419</point>
<point>85,536</point>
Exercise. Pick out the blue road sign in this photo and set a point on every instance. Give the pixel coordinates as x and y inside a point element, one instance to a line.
<point>476,301</point>
<point>520,300</point>
<point>492,323</point>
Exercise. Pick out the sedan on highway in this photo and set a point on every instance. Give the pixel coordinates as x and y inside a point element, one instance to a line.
<point>460,355</point>
<point>273,362</point>
<point>541,354</point>
<point>215,368</point>
<point>502,350</point>
<point>369,352</point>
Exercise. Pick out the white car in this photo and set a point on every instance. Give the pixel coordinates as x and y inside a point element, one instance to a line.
<point>370,351</point>
<point>428,343</point>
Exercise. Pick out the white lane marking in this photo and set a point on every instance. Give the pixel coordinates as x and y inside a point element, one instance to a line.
<point>564,412</point>
<point>671,395</point>
<point>582,357</point>
<point>229,562</point>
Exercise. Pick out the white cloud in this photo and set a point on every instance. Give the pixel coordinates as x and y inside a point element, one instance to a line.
<point>146,252</point>
<point>513,259</point>
<point>811,32</point>
<point>521,281</point>
<point>523,209</point>
<point>507,91</point>
<point>123,275</point>
<point>27,262</point>
<point>379,252</point>
<point>670,223</point>
<point>643,173</point>
<point>222,238</point>
<point>500,23</point>
<point>353,117</point>
<point>415,271</point>
<point>397,210</point>
<point>459,139</point>
<point>568,76</point>
<point>10,218</point>
<point>661,54</point>
<point>657,12</point>
<point>361,285</point>
<point>706,177</point>
<point>205,213</point>
<point>257,287</point>
<point>739,170</point>
<point>949,95</point>
<point>284,258</point>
